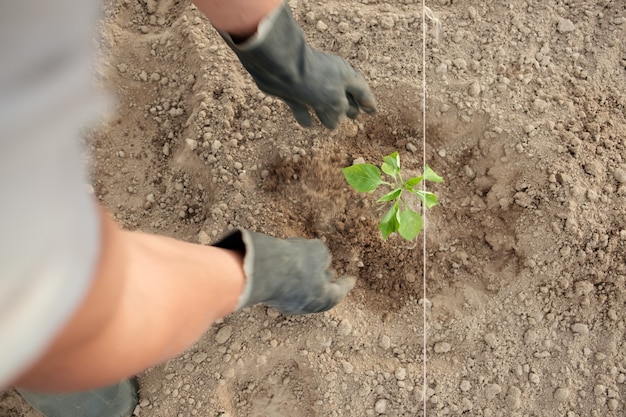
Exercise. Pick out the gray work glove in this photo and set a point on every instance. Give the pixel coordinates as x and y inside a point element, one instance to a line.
<point>290,275</point>
<point>284,65</point>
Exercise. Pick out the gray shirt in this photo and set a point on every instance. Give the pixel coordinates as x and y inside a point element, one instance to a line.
<point>49,226</point>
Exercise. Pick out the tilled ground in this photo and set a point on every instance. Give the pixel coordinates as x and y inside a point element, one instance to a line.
<point>525,266</point>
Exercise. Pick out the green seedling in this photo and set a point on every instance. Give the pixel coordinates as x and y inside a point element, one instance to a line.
<point>366,178</point>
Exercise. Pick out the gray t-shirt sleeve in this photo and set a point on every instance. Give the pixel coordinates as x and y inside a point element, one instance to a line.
<point>49,225</point>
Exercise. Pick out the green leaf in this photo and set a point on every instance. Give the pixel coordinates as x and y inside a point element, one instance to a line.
<point>391,164</point>
<point>390,196</point>
<point>410,224</point>
<point>389,223</point>
<point>363,177</point>
<point>429,199</point>
<point>412,182</point>
<point>429,175</point>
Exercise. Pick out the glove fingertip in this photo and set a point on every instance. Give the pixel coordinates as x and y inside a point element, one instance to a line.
<point>303,119</point>
<point>353,108</point>
<point>362,95</point>
<point>369,107</point>
<point>328,120</point>
<point>301,113</point>
<point>367,102</point>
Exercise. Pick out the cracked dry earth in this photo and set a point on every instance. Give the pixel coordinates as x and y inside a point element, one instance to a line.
<point>526,292</point>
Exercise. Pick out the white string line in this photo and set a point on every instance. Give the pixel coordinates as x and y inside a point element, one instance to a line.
<point>425,380</point>
<point>426,13</point>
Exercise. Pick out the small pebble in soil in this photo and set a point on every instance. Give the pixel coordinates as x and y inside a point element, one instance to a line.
<point>199,357</point>
<point>491,340</point>
<point>321,26</point>
<point>561,394</point>
<point>223,334</point>
<point>565,26</point>
<point>513,398</point>
<point>381,406</point>
<point>192,144</point>
<point>620,175</point>
<point>471,12</point>
<point>465,385</point>
<point>384,342</point>
<point>492,390</point>
<point>580,328</point>
<point>474,89</point>
<point>442,347</point>
<point>460,63</point>
<point>345,327</point>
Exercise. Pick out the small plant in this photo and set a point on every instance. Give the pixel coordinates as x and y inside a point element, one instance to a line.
<point>399,218</point>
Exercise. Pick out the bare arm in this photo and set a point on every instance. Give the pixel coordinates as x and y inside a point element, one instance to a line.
<point>151,298</point>
<point>238,18</point>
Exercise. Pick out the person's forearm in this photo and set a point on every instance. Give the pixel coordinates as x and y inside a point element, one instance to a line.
<point>239,18</point>
<point>165,294</point>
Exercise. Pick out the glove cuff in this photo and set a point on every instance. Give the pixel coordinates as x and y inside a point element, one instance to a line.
<point>276,55</point>
<point>265,27</point>
<point>239,240</point>
<point>290,275</point>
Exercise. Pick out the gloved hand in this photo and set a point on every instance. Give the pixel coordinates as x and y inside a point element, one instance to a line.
<point>290,275</point>
<point>284,65</point>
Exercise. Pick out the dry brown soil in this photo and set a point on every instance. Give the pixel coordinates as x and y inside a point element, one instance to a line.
<point>525,265</point>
